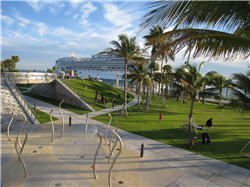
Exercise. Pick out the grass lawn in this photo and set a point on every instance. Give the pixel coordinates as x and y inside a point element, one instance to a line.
<point>56,103</point>
<point>231,128</point>
<point>43,117</point>
<point>79,87</point>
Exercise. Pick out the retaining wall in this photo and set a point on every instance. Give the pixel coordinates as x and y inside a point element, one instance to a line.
<point>58,91</point>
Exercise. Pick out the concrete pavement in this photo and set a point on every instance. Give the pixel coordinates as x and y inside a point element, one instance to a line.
<point>58,164</point>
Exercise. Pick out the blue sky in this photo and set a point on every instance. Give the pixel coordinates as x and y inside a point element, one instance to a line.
<point>40,32</point>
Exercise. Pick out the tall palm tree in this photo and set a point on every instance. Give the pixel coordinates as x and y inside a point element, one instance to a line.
<point>167,78</point>
<point>242,89</point>
<point>128,49</point>
<point>186,15</point>
<point>192,81</point>
<point>139,75</point>
<point>153,67</point>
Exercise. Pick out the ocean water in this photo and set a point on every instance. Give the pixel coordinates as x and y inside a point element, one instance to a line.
<point>113,82</point>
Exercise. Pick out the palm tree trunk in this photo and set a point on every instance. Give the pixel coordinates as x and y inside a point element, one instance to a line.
<point>190,115</point>
<point>124,110</point>
<point>139,91</point>
<point>147,99</point>
<point>220,97</point>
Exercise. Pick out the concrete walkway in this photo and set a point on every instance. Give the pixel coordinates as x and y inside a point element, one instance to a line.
<point>163,165</point>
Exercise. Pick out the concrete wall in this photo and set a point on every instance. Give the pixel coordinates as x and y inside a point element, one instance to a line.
<point>32,77</point>
<point>58,91</point>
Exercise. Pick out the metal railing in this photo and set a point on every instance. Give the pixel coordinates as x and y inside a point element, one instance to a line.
<point>28,110</point>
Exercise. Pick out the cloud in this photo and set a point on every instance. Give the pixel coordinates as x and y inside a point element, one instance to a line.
<point>36,4</point>
<point>42,28</point>
<point>53,6</point>
<point>117,16</point>
<point>85,11</point>
<point>7,20</point>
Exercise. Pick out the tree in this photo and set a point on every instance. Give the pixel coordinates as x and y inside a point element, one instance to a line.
<point>54,68</point>
<point>192,81</point>
<point>49,70</point>
<point>139,75</point>
<point>153,67</point>
<point>223,15</point>
<point>128,49</point>
<point>242,89</point>
<point>10,64</point>
<point>167,78</point>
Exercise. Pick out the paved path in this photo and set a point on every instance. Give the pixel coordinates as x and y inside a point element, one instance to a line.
<point>163,165</point>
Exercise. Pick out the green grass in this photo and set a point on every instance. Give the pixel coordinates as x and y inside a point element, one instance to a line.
<point>43,117</point>
<point>230,133</point>
<point>56,103</point>
<point>79,87</point>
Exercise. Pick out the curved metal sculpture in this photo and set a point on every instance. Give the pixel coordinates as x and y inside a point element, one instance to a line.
<point>19,153</point>
<point>106,130</point>
<point>9,125</point>
<point>52,126</point>
<point>112,136</point>
<point>87,123</point>
<point>20,130</point>
<point>97,150</point>
<point>116,157</point>
<point>60,104</point>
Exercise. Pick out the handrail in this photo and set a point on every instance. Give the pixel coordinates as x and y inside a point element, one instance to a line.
<point>60,104</point>
<point>52,125</point>
<point>31,113</point>
<point>116,157</point>
<point>106,130</point>
<point>97,150</point>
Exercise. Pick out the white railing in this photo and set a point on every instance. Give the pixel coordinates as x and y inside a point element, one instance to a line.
<point>28,110</point>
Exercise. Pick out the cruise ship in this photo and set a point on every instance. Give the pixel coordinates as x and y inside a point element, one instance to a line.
<point>104,65</point>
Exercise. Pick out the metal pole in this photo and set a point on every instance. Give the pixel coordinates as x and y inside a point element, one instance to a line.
<point>106,130</point>
<point>52,126</point>
<point>69,120</point>
<point>97,150</point>
<point>142,150</point>
<point>61,117</point>
<point>8,129</point>
<point>113,163</point>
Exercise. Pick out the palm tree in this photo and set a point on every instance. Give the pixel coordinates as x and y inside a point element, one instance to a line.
<point>167,77</point>
<point>223,15</point>
<point>153,67</point>
<point>242,89</point>
<point>128,49</point>
<point>158,46</point>
<point>192,81</point>
<point>139,75</point>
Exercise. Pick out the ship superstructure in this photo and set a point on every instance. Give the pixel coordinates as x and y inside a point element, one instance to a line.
<point>103,65</point>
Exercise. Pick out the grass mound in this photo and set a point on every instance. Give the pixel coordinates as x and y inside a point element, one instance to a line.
<point>230,132</point>
<point>43,117</point>
<point>86,90</point>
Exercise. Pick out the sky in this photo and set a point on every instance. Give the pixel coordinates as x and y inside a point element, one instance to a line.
<point>40,32</point>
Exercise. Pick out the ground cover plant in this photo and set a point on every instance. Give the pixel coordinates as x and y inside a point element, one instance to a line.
<point>86,89</point>
<point>43,117</point>
<point>230,132</point>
